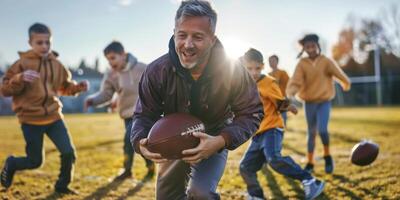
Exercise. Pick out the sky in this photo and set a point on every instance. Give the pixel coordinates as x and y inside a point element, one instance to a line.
<point>82,28</point>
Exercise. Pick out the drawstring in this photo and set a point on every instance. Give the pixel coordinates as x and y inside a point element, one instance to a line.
<point>51,71</point>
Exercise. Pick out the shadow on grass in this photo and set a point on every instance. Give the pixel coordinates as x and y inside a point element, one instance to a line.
<point>369,192</point>
<point>104,190</point>
<point>91,146</point>
<point>272,183</point>
<point>54,196</point>
<point>101,192</point>
<point>337,135</point>
<point>136,189</point>
<point>295,186</point>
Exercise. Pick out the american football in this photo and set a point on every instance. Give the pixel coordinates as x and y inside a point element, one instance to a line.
<point>364,153</point>
<point>174,133</point>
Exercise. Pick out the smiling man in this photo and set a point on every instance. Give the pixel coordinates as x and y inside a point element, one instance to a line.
<point>196,77</point>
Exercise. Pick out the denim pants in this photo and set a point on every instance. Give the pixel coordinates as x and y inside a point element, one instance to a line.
<point>317,115</point>
<point>128,149</point>
<point>58,134</point>
<point>179,180</point>
<point>284,117</point>
<point>266,148</point>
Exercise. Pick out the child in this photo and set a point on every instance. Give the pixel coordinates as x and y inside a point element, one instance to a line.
<point>281,78</point>
<point>123,78</point>
<point>313,82</point>
<point>266,145</point>
<point>34,82</point>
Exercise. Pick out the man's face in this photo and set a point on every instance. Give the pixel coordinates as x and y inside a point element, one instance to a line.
<point>311,49</point>
<point>273,62</point>
<point>254,68</point>
<point>117,61</point>
<point>193,40</point>
<point>40,43</point>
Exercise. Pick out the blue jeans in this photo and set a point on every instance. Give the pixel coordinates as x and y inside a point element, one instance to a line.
<point>128,149</point>
<point>58,134</point>
<point>317,115</point>
<point>266,148</point>
<point>178,180</point>
<point>284,117</point>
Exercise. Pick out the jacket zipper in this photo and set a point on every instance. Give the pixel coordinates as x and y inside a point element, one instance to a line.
<point>45,88</point>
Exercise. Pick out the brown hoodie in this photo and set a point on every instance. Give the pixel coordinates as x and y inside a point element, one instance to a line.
<point>37,102</point>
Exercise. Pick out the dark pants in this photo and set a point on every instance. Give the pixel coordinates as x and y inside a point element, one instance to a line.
<point>128,149</point>
<point>266,148</point>
<point>58,134</point>
<point>178,180</point>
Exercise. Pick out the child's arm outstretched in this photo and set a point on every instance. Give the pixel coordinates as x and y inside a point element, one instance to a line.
<point>70,87</point>
<point>105,95</point>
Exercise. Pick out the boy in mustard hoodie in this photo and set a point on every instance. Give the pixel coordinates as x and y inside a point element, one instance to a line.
<point>34,82</point>
<point>266,145</point>
<point>313,81</point>
<point>281,78</point>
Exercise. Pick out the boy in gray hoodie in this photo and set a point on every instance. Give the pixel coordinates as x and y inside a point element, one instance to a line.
<point>123,79</point>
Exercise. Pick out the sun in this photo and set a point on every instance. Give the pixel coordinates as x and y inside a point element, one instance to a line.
<point>234,46</point>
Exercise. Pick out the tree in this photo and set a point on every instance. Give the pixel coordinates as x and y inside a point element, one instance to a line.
<point>361,35</point>
<point>390,19</point>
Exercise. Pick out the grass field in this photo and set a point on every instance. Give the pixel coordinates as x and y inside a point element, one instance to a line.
<point>98,140</point>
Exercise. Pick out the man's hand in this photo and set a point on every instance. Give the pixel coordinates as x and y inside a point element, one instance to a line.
<point>83,86</point>
<point>155,157</point>
<point>207,147</point>
<point>30,76</point>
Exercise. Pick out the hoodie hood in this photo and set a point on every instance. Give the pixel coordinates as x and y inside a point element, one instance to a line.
<point>131,62</point>
<point>31,54</point>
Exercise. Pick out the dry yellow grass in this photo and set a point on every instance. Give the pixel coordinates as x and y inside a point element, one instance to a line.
<point>98,140</point>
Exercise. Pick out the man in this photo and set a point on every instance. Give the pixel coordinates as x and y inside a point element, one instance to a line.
<point>196,77</point>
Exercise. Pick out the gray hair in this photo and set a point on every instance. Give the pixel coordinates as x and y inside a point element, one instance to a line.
<point>197,8</point>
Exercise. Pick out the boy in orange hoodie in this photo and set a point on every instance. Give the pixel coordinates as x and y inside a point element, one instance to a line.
<point>34,82</point>
<point>266,145</point>
<point>281,78</point>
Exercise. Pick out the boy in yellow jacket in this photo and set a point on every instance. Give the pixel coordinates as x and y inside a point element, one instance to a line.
<point>313,81</point>
<point>266,145</point>
<point>281,78</point>
<point>34,82</point>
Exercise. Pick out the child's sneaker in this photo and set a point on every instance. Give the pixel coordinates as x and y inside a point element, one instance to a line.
<point>329,166</point>
<point>7,174</point>
<point>313,188</point>
<point>309,168</point>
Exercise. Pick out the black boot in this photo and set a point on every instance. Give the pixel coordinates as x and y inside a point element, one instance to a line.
<point>66,170</point>
<point>7,174</point>
<point>124,175</point>
<point>329,166</point>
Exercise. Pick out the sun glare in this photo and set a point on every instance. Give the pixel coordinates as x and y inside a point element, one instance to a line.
<point>234,47</point>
